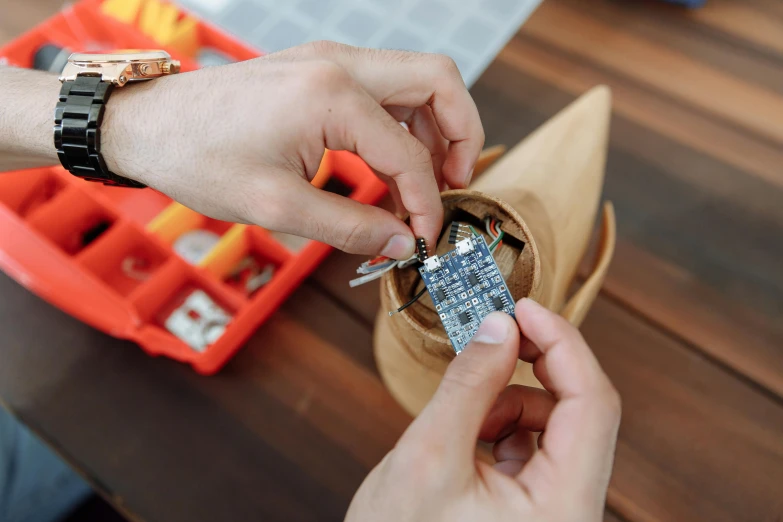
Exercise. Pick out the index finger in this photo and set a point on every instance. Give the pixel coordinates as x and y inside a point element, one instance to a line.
<point>582,428</point>
<point>412,79</point>
<point>362,126</point>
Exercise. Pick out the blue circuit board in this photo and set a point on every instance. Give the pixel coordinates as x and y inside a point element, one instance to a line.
<point>466,285</point>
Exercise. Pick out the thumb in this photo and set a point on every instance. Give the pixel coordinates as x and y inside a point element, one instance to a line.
<point>347,224</point>
<point>469,388</point>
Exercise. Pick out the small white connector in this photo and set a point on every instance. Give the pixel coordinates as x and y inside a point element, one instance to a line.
<point>432,263</point>
<point>465,246</point>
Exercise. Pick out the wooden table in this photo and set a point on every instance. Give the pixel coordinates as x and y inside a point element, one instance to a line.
<point>689,325</point>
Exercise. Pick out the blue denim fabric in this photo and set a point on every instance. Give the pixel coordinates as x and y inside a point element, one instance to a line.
<point>35,484</point>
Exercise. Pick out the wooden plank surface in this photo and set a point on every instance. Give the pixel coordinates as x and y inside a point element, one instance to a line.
<point>688,325</point>
<point>286,432</point>
<point>611,517</point>
<point>620,49</point>
<point>695,442</point>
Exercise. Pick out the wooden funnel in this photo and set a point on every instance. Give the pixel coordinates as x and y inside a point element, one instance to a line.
<point>546,192</point>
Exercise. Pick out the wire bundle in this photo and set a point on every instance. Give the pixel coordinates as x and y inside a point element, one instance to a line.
<point>493,229</point>
<point>375,268</point>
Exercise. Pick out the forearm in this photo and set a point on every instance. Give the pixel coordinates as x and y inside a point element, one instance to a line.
<point>27,101</point>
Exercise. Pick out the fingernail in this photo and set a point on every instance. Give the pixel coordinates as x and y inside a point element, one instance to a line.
<point>493,330</point>
<point>399,247</point>
<point>468,177</point>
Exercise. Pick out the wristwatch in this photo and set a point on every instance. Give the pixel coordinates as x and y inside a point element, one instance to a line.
<point>88,81</point>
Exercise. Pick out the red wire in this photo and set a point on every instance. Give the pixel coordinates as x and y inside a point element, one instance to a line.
<point>493,227</point>
<point>377,260</point>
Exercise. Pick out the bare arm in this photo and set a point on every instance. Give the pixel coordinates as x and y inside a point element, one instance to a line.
<point>241,142</point>
<point>27,100</point>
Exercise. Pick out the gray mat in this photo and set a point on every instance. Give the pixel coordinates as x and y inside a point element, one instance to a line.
<point>472,32</point>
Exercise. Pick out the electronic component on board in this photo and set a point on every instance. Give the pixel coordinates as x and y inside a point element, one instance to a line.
<point>432,264</point>
<point>421,249</point>
<point>458,232</point>
<point>466,285</point>
<point>453,233</point>
<point>465,246</point>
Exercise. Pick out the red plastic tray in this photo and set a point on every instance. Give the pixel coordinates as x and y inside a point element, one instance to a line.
<point>45,212</point>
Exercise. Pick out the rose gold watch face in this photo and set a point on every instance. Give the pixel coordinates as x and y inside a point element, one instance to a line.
<point>121,67</point>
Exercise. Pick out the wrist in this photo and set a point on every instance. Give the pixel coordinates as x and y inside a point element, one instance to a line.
<point>129,120</point>
<point>27,102</point>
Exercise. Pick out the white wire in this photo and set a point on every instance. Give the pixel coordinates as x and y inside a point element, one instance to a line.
<point>378,273</point>
<point>370,277</point>
<point>366,268</point>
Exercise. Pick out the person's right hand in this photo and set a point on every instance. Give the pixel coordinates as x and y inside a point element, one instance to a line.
<point>432,474</point>
<point>241,142</point>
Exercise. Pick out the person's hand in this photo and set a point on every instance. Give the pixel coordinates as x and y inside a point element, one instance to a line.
<point>432,473</point>
<point>241,142</point>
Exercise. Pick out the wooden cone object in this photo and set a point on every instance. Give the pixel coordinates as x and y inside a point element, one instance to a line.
<point>545,191</point>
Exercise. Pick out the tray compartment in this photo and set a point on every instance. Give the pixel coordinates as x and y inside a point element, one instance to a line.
<point>190,234</point>
<point>168,292</point>
<point>72,220</point>
<point>247,259</point>
<point>124,258</point>
<point>25,191</point>
<point>132,222</point>
<point>140,206</point>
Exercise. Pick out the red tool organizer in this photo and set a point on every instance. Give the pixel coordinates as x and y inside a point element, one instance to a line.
<point>44,212</point>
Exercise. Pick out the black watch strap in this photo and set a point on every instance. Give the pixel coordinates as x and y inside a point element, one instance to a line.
<point>77,130</point>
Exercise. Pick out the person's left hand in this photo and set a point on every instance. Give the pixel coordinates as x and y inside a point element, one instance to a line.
<point>241,142</point>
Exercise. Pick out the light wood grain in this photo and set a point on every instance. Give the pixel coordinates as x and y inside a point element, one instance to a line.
<point>487,157</point>
<point>553,180</point>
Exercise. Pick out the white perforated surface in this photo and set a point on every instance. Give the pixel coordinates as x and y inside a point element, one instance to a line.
<point>472,32</point>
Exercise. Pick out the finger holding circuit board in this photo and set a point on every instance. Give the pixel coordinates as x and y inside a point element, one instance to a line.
<point>466,285</point>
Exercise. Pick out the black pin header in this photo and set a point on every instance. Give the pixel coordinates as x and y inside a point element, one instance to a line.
<point>421,249</point>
